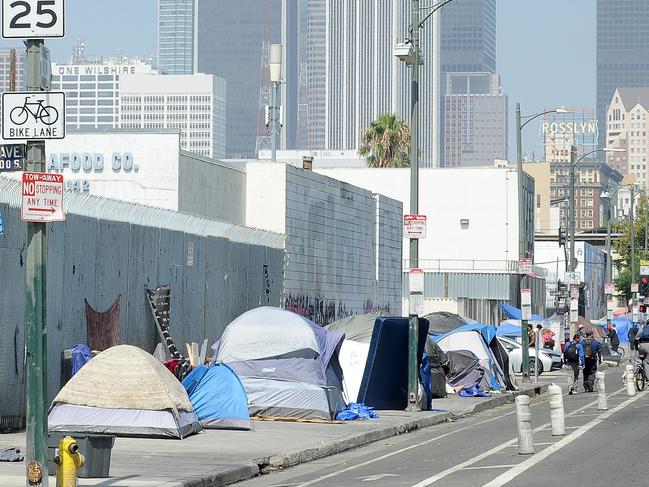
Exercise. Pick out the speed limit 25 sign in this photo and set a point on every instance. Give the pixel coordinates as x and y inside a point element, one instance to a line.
<point>32,19</point>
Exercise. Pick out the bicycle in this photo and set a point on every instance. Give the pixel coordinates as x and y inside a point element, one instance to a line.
<point>640,375</point>
<point>45,113</point>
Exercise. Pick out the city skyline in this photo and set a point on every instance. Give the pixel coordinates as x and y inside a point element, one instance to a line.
<point>565,79</point>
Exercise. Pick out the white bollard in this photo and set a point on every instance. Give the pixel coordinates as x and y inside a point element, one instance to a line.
<point>602,404</point>
<point>630,381</point>
<point>557,417</point>
<point>524,423</point>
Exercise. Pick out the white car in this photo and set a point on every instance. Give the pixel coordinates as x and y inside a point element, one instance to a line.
<point>550,360</point>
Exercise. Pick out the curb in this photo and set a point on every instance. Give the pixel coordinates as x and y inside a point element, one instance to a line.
<point>290,459</point>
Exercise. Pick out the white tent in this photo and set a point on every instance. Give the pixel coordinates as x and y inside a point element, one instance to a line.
<point>287,364</point>
<point>124,391</point>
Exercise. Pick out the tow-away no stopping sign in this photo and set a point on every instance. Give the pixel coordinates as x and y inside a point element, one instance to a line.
<point>42,197</point>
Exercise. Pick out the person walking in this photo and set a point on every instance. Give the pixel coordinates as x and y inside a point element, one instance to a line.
<point>573,356</point>
<point>613,339</point>
<point>592,358</point>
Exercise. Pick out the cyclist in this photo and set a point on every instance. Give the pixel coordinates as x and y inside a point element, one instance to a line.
<point>642,342</point>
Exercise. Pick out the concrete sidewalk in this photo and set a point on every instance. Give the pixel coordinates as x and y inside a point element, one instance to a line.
<point>216,457</point>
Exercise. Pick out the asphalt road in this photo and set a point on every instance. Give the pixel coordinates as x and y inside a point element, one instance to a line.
<point>600,448</point>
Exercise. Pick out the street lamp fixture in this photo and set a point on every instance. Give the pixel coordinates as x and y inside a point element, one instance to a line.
<point>275,68</point>
<point>408,52</point>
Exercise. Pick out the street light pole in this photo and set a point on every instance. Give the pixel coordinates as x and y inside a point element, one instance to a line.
<point>632,231</point>
<point>413,321</point>
<point>571,207</point>
<point>609,211</point>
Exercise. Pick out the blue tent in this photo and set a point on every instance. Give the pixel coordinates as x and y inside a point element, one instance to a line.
<point>513,313</point>
<point>218,397</point>
<point>622,326</point>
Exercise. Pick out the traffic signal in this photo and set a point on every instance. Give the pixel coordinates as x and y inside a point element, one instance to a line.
<point>644,286</point>
<point>562,237</point>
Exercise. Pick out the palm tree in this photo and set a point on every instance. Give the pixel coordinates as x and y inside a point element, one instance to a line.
<point>386,141</point>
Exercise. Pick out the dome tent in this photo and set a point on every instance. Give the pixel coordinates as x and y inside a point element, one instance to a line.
<point>218,397</point>
<point>124,391</point>
<point>287,364</point>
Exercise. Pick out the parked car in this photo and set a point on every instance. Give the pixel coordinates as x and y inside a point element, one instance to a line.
<point>549,359</point>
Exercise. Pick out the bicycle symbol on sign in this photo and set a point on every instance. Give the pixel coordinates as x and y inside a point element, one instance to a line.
<point>44,113</point>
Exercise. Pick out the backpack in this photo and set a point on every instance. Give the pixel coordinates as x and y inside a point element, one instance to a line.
<point>588,348</point>
<point>571,354</point>
<point>643,333</point>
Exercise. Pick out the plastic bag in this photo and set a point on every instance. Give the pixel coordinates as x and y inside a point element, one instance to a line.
<point>357,411</point>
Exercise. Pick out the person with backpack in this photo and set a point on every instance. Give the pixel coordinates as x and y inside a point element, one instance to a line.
<point>592,358</point>
<point>573,356</point>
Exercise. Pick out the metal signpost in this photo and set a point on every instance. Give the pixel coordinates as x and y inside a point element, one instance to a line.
<point>35,116</point>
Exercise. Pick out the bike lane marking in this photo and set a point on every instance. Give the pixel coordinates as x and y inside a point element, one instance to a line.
<point>510,475</point>
<point>496,449</point>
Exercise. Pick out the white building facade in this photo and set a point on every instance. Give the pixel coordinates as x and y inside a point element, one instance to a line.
<point>129,93</point>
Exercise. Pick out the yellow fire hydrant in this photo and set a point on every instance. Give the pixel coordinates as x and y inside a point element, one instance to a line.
<point>68,461</point>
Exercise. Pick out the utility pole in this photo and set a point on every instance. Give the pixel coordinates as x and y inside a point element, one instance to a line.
<point>522,243</point>
<point>36,313</point>
<point>413,319</point>
<point>275,68</point>
<point>634,295</point>
<point>609,211</point>
<point>571,207</point>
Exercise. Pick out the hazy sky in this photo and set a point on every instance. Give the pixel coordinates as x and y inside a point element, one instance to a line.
<point>546,48</point>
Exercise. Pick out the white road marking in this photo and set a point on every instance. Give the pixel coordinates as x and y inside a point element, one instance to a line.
<point>486,467</point>
<point>388,455</point>
<point>502,446</point>
<point>373,478</point>
<point>522,467</point>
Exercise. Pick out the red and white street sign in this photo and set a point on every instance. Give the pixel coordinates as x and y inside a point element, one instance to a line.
<point>525,266</point>
<point>414,226</point>
<point>609,288</point>
<point>42,197</point>
<point>416,281</point>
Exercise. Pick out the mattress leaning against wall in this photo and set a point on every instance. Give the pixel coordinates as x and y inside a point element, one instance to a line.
<point>108,247</point>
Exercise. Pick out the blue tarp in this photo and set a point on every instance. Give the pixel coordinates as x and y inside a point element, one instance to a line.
<point>80,356</point>
<point>622,326</point>
<point>218,397</point>
<point>508,330</point>
<point>512,312</point>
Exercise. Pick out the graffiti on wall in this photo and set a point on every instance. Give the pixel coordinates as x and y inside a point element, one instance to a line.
<point>324,311</point>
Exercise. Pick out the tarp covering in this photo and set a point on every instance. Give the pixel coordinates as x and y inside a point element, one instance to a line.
<point>507,330</point>
<point>218,397</point>
<point>80,356</point>
<point>464,370</point>
<point>515,313</point>
<point>103,328</point>
<point>385,379</point>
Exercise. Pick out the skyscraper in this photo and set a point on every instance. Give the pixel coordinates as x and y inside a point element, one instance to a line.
<point>176,27</point>
<point>475,118</point>
<point>622,51</point>
<point>468,44</point>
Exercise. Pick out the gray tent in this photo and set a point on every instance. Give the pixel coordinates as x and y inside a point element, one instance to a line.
<point>443,321</point>
<point>287,364</point>
<point>124,391</point>
<point>357,327</point>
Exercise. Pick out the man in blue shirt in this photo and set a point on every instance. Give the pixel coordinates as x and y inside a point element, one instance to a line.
<point>592,358</point>
<point>573,355</point>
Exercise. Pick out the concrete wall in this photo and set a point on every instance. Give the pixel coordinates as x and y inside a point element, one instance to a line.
<point>486,197</point>
<point>343,243</point>
<point>211,188</point>
<point>105,249</point>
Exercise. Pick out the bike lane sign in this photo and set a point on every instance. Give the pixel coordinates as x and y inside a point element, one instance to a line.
<point>33,115</point>
<point>42,197</point>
